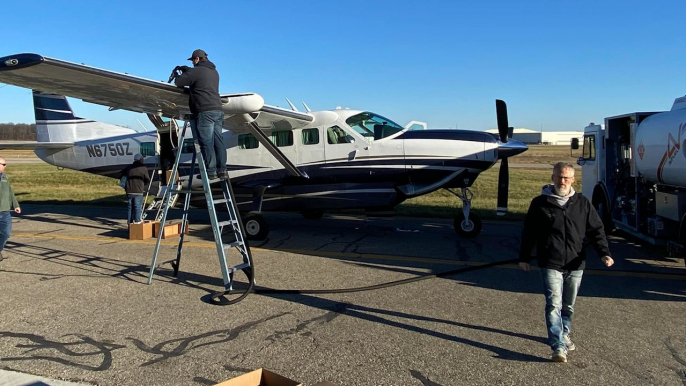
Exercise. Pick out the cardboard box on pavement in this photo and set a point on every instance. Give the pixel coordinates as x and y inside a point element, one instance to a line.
<point>141,231</point>
<point>260,377</point>
<point>171,229</point>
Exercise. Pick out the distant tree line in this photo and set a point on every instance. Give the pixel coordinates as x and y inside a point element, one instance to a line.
<point>17,132</point>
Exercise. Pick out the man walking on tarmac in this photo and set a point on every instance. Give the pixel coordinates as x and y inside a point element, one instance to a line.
<point>206,108</point>
<point>556,224</point>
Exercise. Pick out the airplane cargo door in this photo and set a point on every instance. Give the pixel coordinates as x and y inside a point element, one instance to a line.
<point>310,150</point>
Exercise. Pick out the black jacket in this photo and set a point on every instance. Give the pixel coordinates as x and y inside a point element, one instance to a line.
<point>558,232</point>
<point>203,85</point>
<point>137,178</point>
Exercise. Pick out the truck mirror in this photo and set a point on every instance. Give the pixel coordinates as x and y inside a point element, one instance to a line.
<point>581,161</point>
<point>575,143</point>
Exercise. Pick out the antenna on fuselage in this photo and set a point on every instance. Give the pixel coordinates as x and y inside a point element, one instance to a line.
<point>292,105</point>
<point>307,108</point>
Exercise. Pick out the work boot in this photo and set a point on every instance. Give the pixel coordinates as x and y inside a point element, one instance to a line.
<point>570,345</point>
<point>1,258</point>
<point>560,355</point>
<point>223,175</point>
<point>212,176</point>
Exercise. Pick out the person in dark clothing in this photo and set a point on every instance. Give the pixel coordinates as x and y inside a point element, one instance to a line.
<point>8,204</point>
<point>137,180</point>
<point>556,224</point>
<point>206,108</point>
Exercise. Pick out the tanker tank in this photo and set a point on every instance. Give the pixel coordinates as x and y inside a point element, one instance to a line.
<point>660,148</point>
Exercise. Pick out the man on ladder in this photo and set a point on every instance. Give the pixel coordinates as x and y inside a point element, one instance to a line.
<point>206,124</point>
<point>206,108</point>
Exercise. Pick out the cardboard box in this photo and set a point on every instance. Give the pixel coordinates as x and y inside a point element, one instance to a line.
<point>169,176</point>
<point>260,377</point>
<point>141,231</point>
<point>171,229</point>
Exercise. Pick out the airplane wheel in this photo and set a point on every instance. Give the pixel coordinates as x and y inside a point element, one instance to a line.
<point>470,228</point>
<point>256,227</point>
<point>312,214</point>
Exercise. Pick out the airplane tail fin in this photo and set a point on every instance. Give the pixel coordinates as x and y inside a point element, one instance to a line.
<point>56,121</point>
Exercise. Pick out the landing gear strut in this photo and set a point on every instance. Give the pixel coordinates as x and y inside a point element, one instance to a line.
<point>466,224</point>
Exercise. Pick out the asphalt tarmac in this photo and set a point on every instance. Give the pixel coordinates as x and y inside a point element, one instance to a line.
<point>76,306</point>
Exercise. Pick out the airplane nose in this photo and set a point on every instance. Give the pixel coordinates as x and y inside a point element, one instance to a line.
<point>510,148</point>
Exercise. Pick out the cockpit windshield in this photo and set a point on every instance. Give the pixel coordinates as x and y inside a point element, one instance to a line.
<point>370,125</point>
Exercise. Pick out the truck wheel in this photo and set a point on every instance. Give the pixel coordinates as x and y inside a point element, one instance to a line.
<point>600,204</point>
<point>469,228</point>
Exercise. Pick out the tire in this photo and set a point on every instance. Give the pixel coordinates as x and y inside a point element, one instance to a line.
<point>467,229</point>
<point>255,226</point>
<point>312,214</point>
<point>599,202</point>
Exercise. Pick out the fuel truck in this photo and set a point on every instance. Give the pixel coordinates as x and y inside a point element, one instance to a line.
<point>634,171</point>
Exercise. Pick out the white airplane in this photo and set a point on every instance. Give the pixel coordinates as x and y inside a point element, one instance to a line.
<point>278,159</point>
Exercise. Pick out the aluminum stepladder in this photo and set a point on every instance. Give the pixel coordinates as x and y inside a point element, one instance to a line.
<point>234,222</point>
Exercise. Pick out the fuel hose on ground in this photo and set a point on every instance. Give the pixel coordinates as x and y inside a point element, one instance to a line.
<point>219,298</point>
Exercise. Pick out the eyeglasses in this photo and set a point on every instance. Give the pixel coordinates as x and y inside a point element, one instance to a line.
<point>565,178</point>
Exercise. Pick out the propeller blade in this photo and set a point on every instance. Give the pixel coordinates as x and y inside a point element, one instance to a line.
<point>503,187</point>
<point>503,125</point>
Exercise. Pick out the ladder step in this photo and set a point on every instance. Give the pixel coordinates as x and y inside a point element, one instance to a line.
<point>228,222</point>
<point>233,244</point>
<point>220,201</point>
<point>186,191</point>
<point>240,266</point>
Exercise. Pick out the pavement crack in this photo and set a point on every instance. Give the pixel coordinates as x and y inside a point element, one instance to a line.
<point>92,349</point>
<point>178,347</point>
<point>681,373</point>
<point>424,380</point>
<point>304,327</point>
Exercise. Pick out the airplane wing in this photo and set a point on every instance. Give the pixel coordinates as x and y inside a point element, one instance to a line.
<point>245,112</point>
<point>32,145</point>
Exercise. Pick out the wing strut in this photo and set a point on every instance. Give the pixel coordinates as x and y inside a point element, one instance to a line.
<point>264,140</point>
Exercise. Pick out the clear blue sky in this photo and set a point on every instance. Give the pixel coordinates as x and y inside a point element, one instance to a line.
<point>558,64</point>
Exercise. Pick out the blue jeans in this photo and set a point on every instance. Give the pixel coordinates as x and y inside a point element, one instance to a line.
<point>207,129</point>
<point>5,228</point>
<point>135,207</point>
<point>560,294</point>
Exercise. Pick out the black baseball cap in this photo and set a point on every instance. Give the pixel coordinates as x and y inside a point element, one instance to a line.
<point>198,54</point>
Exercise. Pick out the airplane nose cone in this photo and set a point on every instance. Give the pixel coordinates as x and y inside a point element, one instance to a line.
<point>510,148</point>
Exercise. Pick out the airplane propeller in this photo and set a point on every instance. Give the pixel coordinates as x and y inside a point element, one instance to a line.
<point>504,174</point>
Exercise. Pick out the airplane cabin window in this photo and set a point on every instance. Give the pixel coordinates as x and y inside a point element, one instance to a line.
<point>247,141</point>
<point>336,135</point>
<point>380,127</point>
<point>310,136</point>
<point>188,147</point>
<point>147,149</point>
<point>282,138</point>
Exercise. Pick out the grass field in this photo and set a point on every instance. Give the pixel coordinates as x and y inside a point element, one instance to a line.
<point>45,184</point>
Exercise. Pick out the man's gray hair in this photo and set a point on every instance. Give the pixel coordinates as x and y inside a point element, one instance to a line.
<point>560,166</point>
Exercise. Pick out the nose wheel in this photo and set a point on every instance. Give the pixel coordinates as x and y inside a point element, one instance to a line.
<point>467,227</point>
<point>466,224</point>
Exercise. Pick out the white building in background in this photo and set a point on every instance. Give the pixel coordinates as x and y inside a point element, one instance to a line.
<point>532,137</point>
